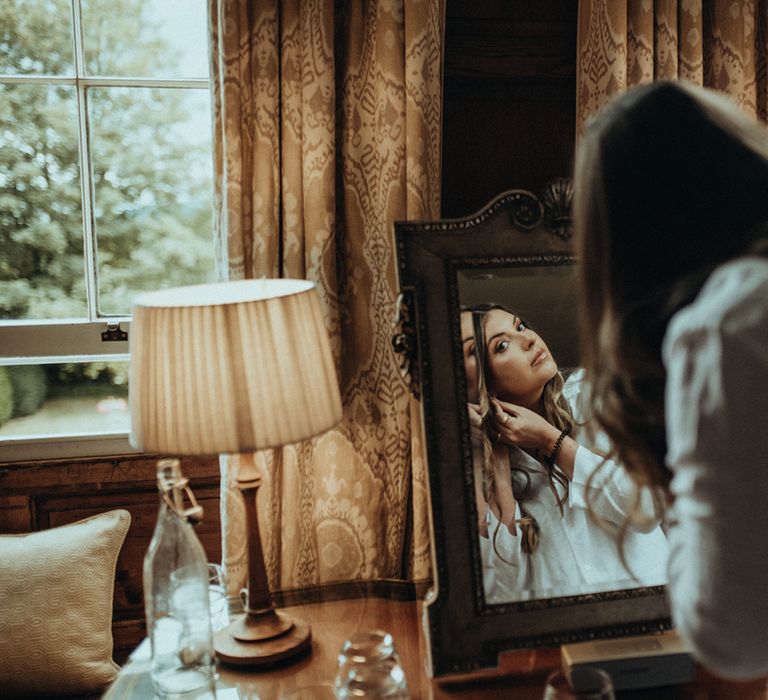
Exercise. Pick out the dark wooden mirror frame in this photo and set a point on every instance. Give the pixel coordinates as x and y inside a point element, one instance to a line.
<point>515,229</point>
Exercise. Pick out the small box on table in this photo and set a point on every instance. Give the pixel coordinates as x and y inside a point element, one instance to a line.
<point>634,662</point>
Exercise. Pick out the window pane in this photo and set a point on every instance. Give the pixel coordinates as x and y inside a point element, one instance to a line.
<point>138,38</point>
<point>65,399</point>
<point>151,158</point>
<point>41,227</point>
<point>36,37</point>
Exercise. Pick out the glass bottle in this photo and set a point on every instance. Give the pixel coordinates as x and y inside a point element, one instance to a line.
<point>369,667</point>
<point>176,592</point>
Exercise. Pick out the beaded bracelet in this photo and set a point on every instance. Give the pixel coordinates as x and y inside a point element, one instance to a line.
<point>558,444</point>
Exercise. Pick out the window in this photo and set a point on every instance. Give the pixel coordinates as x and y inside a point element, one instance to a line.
<point>105,191</point>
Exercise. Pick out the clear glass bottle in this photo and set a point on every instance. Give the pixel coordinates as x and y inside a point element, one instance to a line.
<point>369,667</point>
<point>176,592</point>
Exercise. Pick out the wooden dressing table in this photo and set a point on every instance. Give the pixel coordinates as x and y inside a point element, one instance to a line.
<point>334,621</point>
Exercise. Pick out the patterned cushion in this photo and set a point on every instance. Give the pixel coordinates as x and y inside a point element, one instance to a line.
<point>56,606</point>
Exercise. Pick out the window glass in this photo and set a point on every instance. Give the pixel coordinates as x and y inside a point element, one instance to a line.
<point>63,399</point>
<point>41,225</point>
<point>105,191</point>
<point>145,38</point>
<point>36,37</point>
<point>152,170</point>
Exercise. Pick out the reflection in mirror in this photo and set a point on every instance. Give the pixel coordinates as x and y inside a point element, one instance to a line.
<point>518,561</point>
<point>551,506</point>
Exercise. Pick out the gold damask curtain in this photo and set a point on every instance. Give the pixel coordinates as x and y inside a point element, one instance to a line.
<point>722,44</point>
<point>327,130</point>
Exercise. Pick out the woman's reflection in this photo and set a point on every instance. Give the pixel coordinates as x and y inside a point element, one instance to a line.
<point>541,482</point>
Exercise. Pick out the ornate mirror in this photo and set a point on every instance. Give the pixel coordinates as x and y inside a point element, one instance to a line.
<point>535,568</point>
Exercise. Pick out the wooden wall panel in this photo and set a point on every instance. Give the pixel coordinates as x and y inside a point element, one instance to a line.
<point>15,514</point>
<point>509,98</point>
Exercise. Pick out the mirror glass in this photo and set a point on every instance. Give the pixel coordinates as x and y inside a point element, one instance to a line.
<point>537,523</point>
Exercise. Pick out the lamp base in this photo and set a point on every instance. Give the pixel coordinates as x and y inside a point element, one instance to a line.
<point>264,651</point>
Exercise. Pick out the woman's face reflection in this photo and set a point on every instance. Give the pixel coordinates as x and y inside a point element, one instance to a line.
<point>519,362</point>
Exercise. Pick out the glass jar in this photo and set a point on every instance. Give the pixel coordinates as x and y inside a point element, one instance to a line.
<point>586,683</point>
<point>369,667</point>
<point>176,592</point>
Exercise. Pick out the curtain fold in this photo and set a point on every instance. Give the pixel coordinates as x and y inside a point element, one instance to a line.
<point>327,121</point>
<point>721,44</point>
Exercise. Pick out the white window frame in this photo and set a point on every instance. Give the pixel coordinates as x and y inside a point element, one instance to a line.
<point>75,340</point>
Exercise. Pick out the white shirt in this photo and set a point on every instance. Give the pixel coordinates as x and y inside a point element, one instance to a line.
<point>716,355</point>
<point>575,554</point>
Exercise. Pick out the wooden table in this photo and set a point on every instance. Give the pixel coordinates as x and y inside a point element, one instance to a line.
<point>333,622</point>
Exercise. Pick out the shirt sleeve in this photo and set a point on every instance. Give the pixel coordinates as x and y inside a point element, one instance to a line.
<point>716,423</point>
<point>601,485</point>
<point>604,487</point>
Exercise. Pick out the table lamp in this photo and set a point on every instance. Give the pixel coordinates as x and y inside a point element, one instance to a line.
<point>231,368</point>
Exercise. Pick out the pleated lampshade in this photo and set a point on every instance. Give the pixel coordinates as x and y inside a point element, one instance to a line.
<point>230,367</point>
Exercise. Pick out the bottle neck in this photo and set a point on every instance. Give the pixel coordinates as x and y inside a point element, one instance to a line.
<point>173,486</point>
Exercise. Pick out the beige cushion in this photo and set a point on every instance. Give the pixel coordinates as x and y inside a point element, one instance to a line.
<point>56,606</point>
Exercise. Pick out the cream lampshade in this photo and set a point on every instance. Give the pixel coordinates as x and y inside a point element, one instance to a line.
<point>232,368</point>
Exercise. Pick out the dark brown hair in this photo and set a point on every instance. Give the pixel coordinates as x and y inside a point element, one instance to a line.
<point>671,180</point>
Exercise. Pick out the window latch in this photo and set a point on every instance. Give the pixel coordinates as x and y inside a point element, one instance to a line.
<point>114,332</point>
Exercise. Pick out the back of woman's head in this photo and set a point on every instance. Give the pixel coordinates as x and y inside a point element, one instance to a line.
<point>671,180</point>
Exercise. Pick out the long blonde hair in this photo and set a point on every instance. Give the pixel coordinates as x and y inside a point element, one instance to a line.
<point>671,181</point>
<point>555,410</point>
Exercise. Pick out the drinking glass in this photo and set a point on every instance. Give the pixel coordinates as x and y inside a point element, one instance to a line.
<point>588,684</point>
<point>217,597</point>
<point>369,667</point>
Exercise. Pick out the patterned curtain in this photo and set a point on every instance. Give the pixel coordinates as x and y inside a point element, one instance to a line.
<point>722,44</point>
<point>327,130</point>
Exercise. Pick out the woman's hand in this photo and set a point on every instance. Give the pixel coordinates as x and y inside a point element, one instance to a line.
<point>522,427</point>
<point>528,430</point>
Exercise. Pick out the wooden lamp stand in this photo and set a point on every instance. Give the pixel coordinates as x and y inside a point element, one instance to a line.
<point>262,636</point>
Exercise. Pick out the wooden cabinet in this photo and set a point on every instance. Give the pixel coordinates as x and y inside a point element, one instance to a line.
<point>41,495</point>
<point>509,98</point>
